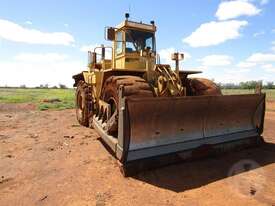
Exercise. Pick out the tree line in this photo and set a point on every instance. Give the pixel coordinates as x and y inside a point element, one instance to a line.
<point>247,85</point>
<point>41,86</point>
<point>241,85</point>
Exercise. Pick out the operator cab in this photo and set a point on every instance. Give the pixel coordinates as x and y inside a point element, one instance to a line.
<point>130,39</point>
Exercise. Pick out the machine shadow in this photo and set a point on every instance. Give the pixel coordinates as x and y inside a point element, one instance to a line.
<point>197,173</point>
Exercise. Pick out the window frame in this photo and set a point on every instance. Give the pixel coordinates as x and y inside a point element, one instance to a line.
<point>153,39</point>
<point>121,42</point>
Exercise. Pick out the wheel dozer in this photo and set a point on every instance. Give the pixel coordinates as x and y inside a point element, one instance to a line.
<point>149,114</point>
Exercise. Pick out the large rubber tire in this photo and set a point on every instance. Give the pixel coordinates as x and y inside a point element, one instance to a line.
<point>133,86</point>
<point>201,87</point>
<point>82,103</point>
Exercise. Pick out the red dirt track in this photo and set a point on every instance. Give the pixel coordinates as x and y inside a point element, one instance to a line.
<point>46,158</point>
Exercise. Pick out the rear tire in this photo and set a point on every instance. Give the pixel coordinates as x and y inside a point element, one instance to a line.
<point>82,104</point>
<point>201,87</point>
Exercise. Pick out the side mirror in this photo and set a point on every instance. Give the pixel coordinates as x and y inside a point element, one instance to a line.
<point>110,34</point>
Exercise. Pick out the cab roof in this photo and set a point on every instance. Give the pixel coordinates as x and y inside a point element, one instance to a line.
<point>137,25</point>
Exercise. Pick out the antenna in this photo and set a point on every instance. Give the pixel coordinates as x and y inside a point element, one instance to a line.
<point>129,9</point>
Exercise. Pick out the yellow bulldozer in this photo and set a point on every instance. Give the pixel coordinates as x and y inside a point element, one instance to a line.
<point>150,114</point>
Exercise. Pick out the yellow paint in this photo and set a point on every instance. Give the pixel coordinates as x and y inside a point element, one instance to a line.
<point>130,61</point>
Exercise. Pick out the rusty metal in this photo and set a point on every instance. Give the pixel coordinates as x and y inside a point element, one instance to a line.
<point>152,127</point>
<point>134,167</point>
<point>159,126</point>
<point>168,81</point>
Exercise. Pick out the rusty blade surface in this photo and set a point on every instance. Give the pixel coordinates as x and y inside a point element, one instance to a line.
<point>158,122</point>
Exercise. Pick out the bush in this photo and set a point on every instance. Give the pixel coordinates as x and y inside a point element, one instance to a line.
<point>44,86</point>
<point>63,86</point>
<point>246,85</point>
<point>269,85</point>
<point>250,84</point>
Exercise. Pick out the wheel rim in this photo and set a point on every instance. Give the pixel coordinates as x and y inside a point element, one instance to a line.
<point>79,105</point>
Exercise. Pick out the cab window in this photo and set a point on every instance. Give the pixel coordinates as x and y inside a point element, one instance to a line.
<point>139,40</point>
<point>119,42</point>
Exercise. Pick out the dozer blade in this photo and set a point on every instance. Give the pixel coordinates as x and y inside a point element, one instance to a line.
<point>159,126</point>
<point>156,131</point>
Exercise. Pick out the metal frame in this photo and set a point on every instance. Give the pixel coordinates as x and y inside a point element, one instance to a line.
<point>116,144</point>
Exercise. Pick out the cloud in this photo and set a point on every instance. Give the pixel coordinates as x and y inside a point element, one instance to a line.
<point>262,2</point>
<point>14,32</point>
<point>165,55</point>
<point>216,60</point>
<point>233,9</point>
<point>91,47</point>
<point>237,71</point>
<point>28,22</point>
<point>214,33</point>
<point>258,33</point>
<point>34,57</point>
<point>88,47</point>
<point>268,68</point>
<point>232,75</point>
<point>58,70</point>
<point>273,47</point>
<point>258,59</point>
<point>245,64</point>
<point>261,58</point>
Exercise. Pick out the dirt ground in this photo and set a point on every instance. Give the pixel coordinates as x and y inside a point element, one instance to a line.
<point>46,158</point>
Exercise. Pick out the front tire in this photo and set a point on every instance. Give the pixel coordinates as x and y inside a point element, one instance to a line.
<point>133,86</point>
<point>204,87</point>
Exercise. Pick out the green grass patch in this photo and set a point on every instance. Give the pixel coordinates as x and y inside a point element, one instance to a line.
<point>67,97</point>
<point>270,93</point>
<point>58,105</point>
<point>36,96</point>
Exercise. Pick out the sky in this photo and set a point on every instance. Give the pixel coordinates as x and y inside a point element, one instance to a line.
<point>46,42</point>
